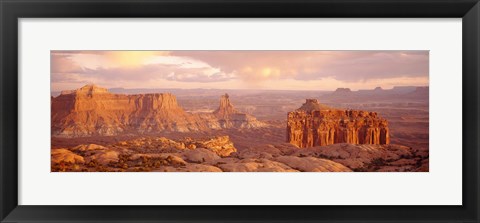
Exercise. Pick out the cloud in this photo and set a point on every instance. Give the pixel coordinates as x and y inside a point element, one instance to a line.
<point>108,59</point>
<point>61,63</point>
<point>158,71</point>
<point>244,69</point>
<point>138,66</point>
<point>313,65</point>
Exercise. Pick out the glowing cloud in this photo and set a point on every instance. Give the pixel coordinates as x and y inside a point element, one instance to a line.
<point>315,70</point>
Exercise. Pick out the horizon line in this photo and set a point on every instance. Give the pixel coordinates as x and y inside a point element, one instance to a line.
<point>242,89</point>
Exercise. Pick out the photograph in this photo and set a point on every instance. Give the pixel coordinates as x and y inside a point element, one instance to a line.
<point>239,111</point>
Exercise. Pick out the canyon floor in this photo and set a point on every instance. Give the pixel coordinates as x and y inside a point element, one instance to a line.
<point>259,149</point>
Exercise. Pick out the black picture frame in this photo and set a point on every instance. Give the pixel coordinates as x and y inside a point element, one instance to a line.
<point>12,10</point>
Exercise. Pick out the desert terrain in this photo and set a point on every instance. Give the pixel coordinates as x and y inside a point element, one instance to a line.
<point>215,130</point>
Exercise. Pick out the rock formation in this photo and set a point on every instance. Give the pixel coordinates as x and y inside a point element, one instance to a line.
<point>215,155</point>
<point>226,108</point>
<point>229,117</point>
<point>420,91</point>
<point>378,89</point>
<point>92,110</point>
<point>310,126</point>
<point>342,92</point>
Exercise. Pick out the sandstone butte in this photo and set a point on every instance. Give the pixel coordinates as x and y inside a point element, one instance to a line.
<point>94,111</point>
<point>314,124</point>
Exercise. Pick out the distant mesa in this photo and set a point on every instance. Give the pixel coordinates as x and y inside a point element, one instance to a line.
<point>378,89</point>
<point>94,111</point>
<point>343,90</point>
<point>345,95</point>
<point>311,125</point>
<point>421,90</point>
<point>403,89</point>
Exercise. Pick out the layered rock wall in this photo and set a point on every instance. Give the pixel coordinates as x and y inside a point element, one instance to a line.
<point>308,128</point>
<point>92,110</point>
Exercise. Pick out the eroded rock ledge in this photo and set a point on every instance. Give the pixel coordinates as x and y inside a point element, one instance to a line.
<point>158,154</point>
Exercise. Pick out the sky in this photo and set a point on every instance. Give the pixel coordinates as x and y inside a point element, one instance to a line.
<point>275,70</point>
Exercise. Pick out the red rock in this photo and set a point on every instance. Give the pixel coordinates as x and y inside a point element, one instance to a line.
<point>226,108</point>
<point>229,117</point>
<point>312,164</point>
<point>93,111</point>
<point>66,156</point>
<point>320,127</point>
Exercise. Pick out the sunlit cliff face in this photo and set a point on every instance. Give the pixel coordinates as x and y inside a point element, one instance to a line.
<point>289,70</point>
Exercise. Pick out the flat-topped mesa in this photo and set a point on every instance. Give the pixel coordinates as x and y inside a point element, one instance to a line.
<point>94,98</point>
<point>343,90</point>
<point>320,127</point>
<point>378,89</point>
<point>93,111</point>
<point>421,90</point>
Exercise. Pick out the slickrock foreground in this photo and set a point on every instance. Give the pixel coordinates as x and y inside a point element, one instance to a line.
<point>313,125</point>
<point>218,154</point>
<point>93,111</point>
